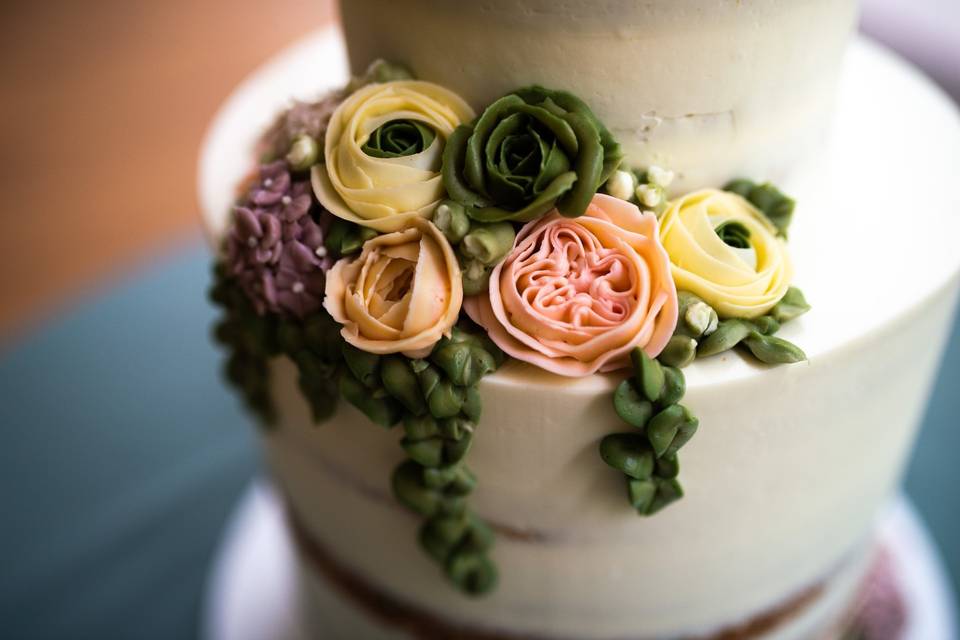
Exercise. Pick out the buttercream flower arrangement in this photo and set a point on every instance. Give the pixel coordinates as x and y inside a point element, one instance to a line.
<point>398,246</point>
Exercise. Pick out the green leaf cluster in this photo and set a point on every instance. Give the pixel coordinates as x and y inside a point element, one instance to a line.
<point>649,401</point>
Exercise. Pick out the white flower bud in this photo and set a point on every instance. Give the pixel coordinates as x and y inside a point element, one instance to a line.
<point>621,184</point>
<point>660,176</point>
<point>649,195</point>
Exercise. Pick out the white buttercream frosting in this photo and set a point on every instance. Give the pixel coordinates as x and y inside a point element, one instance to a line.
<point>712,90</point>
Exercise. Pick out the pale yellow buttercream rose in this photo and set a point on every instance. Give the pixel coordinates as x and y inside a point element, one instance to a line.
<point>738,283</point>
<point>401,295</point>
<point>385,193</point>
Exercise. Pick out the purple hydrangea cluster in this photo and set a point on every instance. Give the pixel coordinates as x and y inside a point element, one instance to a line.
<point>275,247</point>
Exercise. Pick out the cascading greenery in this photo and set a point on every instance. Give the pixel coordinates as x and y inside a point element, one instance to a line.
<point>435,399</point>
<point>252,340</point>
<point>437,402</point>
<point>649,401</point>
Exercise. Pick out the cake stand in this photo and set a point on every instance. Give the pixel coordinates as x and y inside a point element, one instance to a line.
<point>253,591</point>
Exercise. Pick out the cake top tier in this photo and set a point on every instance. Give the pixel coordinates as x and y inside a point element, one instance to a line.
<point>712,90</point>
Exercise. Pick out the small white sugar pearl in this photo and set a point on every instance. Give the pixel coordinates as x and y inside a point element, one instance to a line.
<point>286,200</point>
<point>321,251</point>
<point>298,287</point>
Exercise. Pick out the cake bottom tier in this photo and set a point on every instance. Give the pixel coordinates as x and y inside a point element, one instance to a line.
<point>341,604</point>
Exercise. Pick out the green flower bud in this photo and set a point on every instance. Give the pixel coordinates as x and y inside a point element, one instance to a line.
<point>773,350</point>
<point>680,351</point>
<point>380,408</point>
<point>472,572</point>
<point>452,220</point>
<point>628,453</point>
<point>446,399</point>
<point>792,305</point>
<point>401,382</point>
<point>649,374</point>
<point>729,334</point>
<point>303,153</point>
<point>488,243</point>
<point>364,366</point>
<point>475,275</point>
<point>464,362</point>
<point>632,408</point>
<point>670,429</point>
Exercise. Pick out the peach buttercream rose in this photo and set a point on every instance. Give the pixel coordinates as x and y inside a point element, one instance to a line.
<point>739,282</point>
<point>576,295</point>
<point>383,153</point>
<point>401,295</point>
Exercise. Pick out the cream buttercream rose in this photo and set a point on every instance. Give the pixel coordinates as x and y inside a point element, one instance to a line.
<point>401,295</point>
<point>383,152</point>
<point>725,251</point>
<point>575,295</point>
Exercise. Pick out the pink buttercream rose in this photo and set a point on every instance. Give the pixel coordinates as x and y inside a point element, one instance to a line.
<point>575,295</point>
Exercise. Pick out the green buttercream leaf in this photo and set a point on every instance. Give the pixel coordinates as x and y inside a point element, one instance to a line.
<point>777,207</point>
<point>792,305</point>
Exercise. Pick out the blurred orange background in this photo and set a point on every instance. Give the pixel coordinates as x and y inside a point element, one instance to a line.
<point>102,109</point>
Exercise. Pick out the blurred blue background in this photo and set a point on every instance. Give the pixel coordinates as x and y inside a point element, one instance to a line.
<point>123,453</point>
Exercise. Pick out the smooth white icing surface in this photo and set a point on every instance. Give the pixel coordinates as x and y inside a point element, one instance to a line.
<point>713,90</point>
<point>790,464</point>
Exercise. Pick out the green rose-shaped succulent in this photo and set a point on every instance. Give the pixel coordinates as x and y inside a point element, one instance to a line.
<point>527,153</point>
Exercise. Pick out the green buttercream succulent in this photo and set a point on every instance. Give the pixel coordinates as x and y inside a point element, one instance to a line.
<point>399,138</point>
<point>528,152</point>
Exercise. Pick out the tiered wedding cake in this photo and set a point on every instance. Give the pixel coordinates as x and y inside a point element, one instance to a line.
<point>516,258</point>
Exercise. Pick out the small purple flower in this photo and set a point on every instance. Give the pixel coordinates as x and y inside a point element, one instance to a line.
<point>275,247</point>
